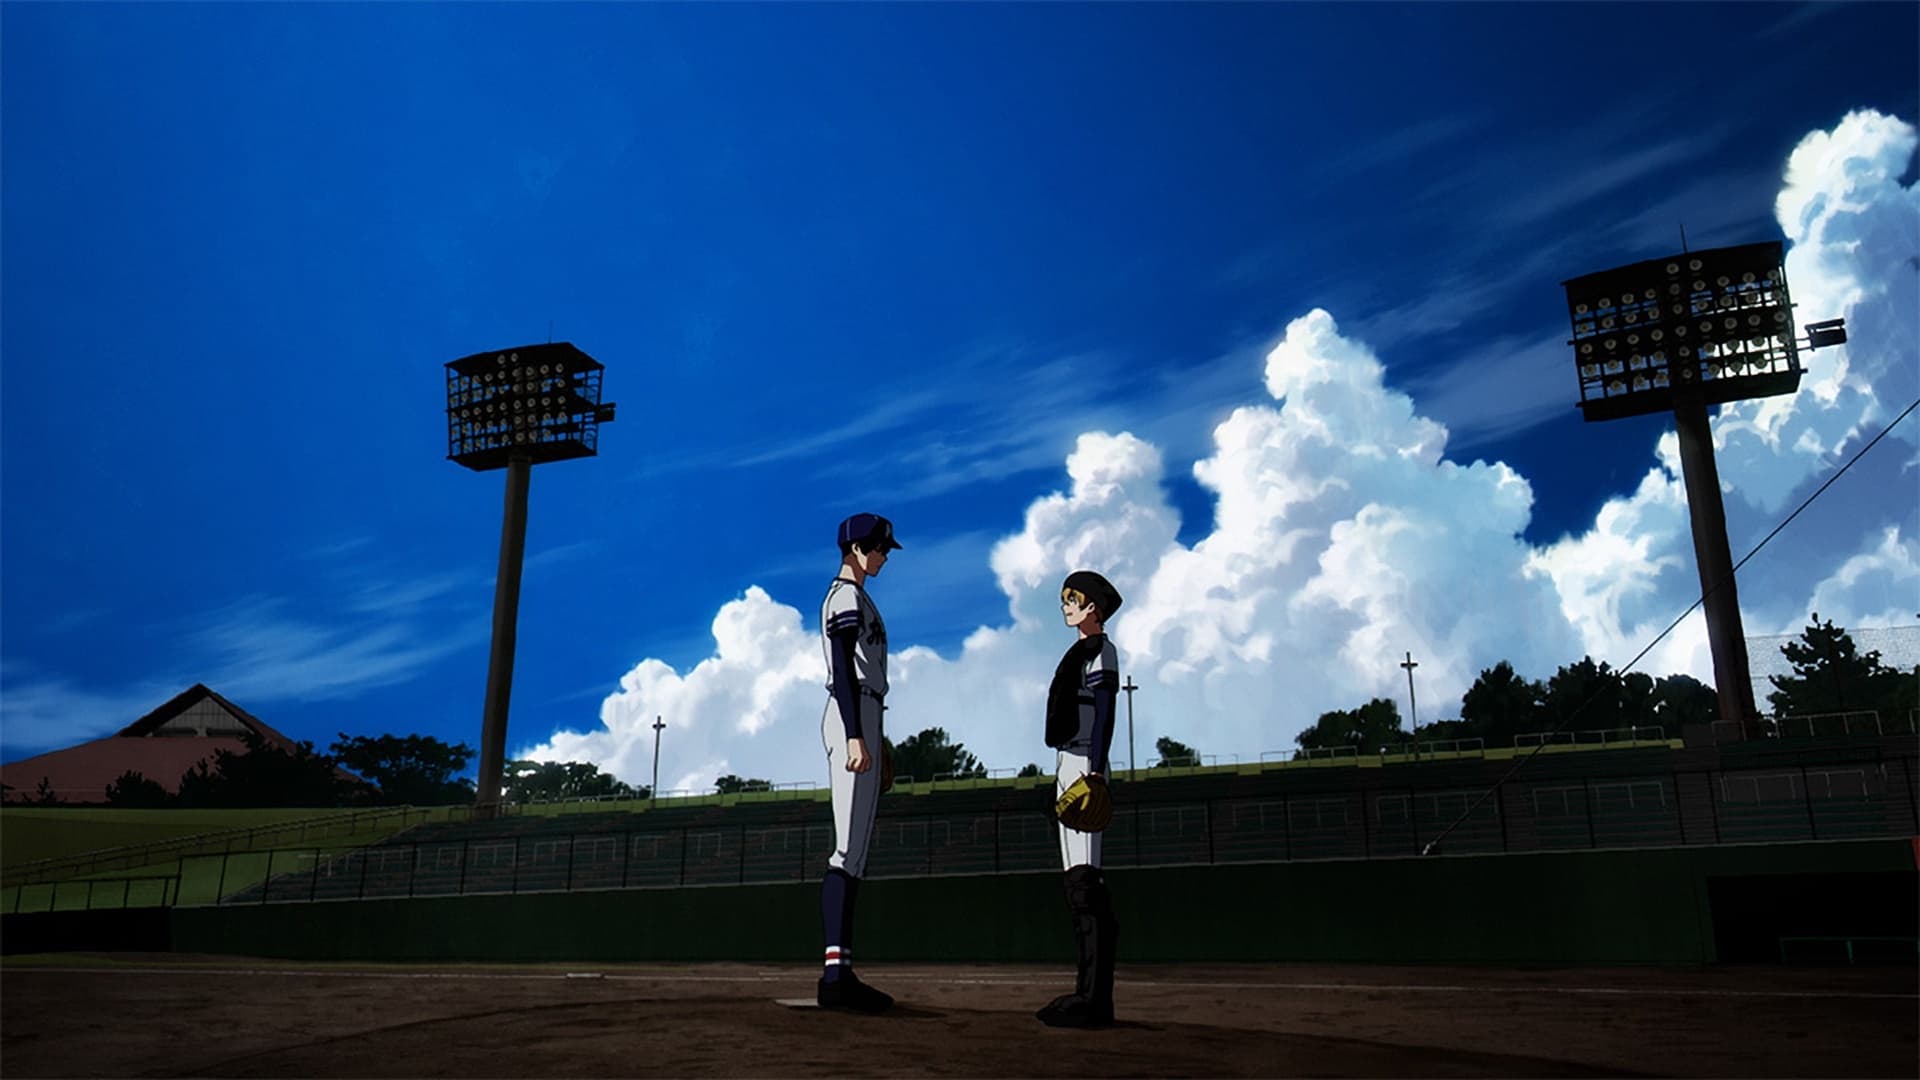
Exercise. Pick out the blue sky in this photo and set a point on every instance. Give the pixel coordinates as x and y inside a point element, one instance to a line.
<point>897,258</point>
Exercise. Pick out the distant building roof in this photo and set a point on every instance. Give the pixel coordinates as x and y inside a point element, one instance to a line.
<point>162,746</point>
<point>200,711</point>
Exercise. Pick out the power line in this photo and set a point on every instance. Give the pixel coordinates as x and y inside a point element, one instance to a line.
<point>1522,761</point>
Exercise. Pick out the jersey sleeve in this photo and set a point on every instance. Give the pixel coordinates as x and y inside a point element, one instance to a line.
<point>842,615</point>
<point>842,612</point>
<point>1103,680</point>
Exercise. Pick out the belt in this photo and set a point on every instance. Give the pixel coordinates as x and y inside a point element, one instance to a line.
<point>872,693</point>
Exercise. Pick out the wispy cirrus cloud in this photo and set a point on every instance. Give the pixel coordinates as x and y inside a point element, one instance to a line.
<point>1477,288</point>
<point>1799,16</point>
<point>1530,367</point>
<point>332,550</point>
<point>69,621</point>
<point>561,554</point>
<point>261,650</point>
<point>1396,148</point>
<point>890,414</point>
<point>400,597</point>
<point>1515,183</point>
<point>1716,209</point>
<point>898,411</point>
<point>1010,418</point>
<point>987,411</point>
<point>1555,194</point>
<point>1534,381</point>
<point>391,592</point>
<point>41,711</point>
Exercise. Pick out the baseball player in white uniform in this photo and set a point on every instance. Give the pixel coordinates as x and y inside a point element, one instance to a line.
<point>855,640</point>
<point>1080,708</point>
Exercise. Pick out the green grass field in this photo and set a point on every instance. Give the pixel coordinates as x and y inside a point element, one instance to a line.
<point>31,833</point>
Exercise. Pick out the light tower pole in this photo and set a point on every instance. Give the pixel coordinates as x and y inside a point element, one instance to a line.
<point>516,408</point>
<point>506,618</point>
<point>1130,688</point>
<point>1676,335</point>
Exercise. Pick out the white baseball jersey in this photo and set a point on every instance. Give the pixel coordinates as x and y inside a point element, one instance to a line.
<point>847,605</point>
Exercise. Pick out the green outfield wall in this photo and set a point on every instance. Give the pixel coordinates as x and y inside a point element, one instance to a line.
<point>101,930</point>
<point>1631,907</point>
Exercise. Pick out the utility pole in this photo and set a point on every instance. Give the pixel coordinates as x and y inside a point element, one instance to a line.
<point>653,793</point>
<point>1413,709</point>
<point>1129,688</point>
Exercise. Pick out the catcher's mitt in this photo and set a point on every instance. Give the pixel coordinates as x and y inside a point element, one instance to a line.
<point>1085,806</point>
<point>886,771</point>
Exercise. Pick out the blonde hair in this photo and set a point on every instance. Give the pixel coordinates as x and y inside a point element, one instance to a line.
<point>1091,590</point>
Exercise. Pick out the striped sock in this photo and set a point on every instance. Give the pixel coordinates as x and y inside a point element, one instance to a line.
<point>836,904</point>
<point>838,960</point>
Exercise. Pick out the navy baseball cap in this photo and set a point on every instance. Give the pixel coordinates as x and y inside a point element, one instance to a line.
<point>868,530</point>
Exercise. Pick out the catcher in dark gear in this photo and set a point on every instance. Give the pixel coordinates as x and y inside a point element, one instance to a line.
<point>1080,706</point>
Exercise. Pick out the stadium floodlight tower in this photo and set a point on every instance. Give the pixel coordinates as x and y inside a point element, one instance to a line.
<point>516,408</point>
<point>1679,334</point>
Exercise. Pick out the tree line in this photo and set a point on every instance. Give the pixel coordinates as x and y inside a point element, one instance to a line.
<point>420,770</point>
<point>356,770</point>
<point>1830,675</point>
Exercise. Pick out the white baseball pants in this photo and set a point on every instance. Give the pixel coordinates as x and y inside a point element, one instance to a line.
<point>1076,848</point>
<point>855,795</point>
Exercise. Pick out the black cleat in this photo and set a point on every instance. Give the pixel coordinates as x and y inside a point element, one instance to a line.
<point>1072,1010</point>
<point>848,992</point>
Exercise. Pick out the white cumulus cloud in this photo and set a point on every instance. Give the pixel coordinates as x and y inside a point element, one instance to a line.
<point>760,675</point>
<point>1879,585</point>
<point>1854,250</point>
<point>1344,538</point>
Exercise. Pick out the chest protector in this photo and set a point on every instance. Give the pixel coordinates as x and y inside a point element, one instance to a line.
<point>1063,694</point>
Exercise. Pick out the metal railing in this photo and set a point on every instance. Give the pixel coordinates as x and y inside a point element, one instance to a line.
<point>1832,724</point>
<point>1781,803</point>
<point>1602,736</point>
<point>1860,723</point>
<point>144,890</point>
<point>1317,753</point>
<point>1474,747</point>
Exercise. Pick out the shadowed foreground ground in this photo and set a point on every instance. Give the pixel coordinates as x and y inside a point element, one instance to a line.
<point>166,1015</point>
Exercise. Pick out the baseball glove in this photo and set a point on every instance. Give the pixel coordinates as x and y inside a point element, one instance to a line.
<point>1085,806</point>
<point>886,771</point>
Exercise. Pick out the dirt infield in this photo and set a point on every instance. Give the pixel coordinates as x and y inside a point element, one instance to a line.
<point>167,1015</point>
